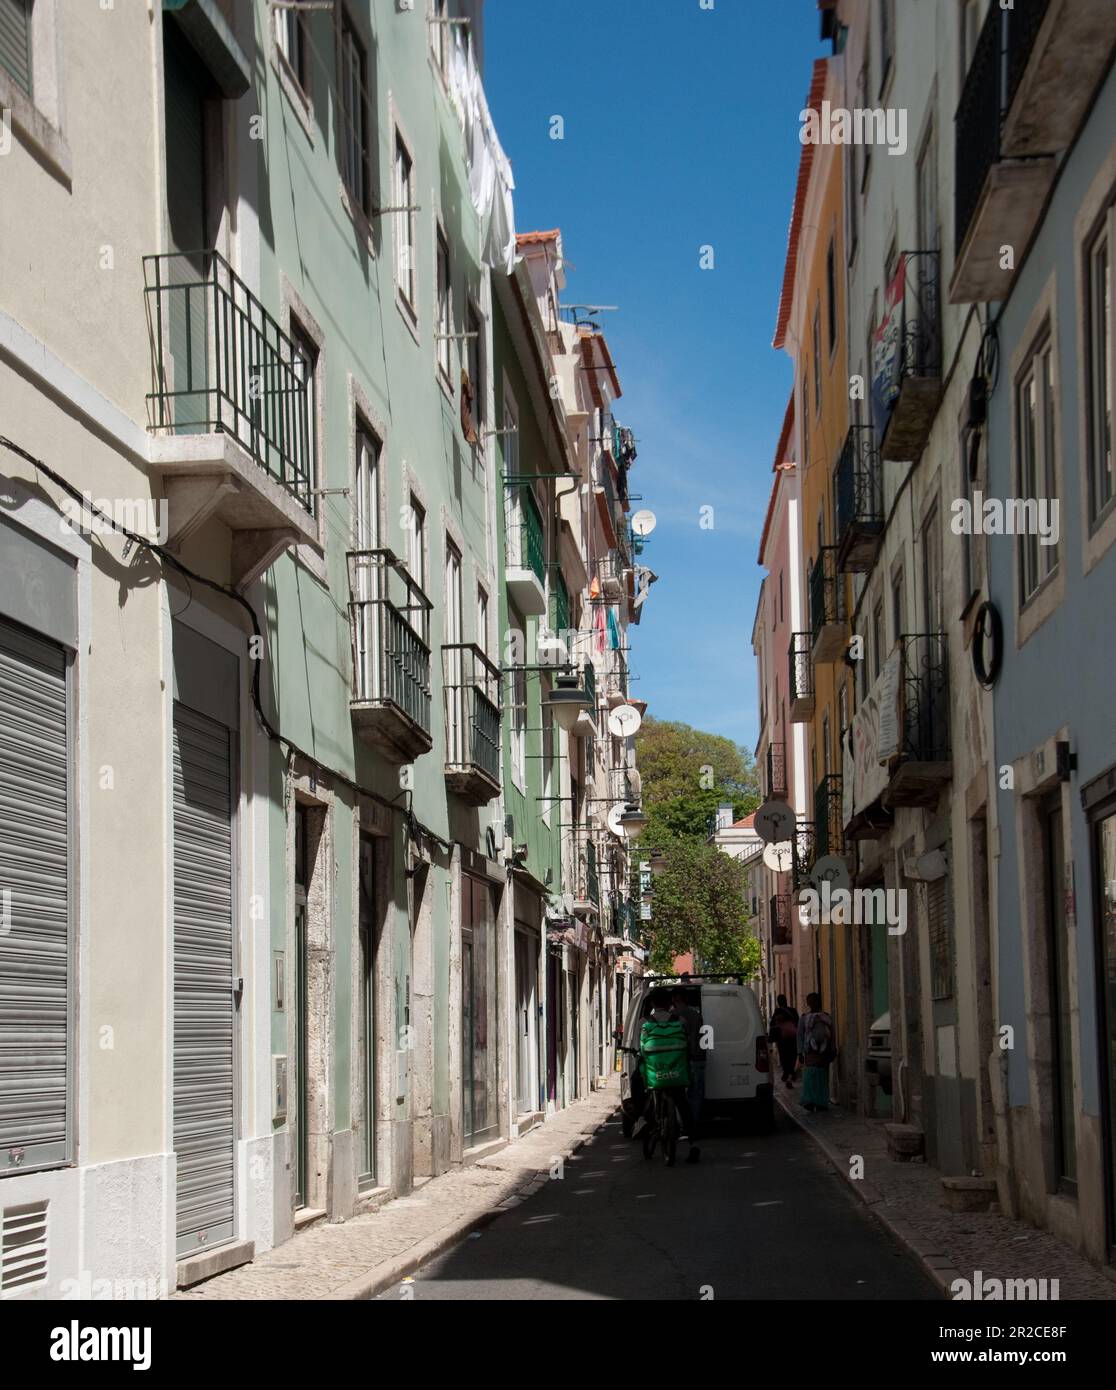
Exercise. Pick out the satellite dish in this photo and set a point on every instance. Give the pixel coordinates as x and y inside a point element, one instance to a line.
<point>624,721</point>
<point>779,857</point>
<point>615,811</point>
<point>774,822</point>
<point>831,869</point>
<point>644,522</point>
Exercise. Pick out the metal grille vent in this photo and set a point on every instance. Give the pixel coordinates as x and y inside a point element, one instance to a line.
<point>23,1246</point>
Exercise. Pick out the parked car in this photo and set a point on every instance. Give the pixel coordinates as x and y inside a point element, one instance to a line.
<point>737,1070</point>
<point>878,1061</point>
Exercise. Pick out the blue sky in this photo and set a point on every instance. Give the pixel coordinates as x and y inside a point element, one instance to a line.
<point>681,130</point>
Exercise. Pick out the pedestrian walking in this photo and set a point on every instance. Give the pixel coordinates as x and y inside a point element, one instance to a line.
<point>817,1049</point>
<point>693,1022</point>
<point>784,1034</point>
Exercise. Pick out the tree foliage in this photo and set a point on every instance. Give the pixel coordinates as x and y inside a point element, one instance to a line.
<point>699,903</point>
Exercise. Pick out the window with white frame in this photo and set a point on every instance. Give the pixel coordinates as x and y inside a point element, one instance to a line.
<point>1035,461</point>
<point>440,34</point>
<point>817,358</point>
<point>354,115</point>
<point>416,541</point>
<point>517,722</point>
<point>474,343</point>
<point>1100,369</point>
<point>405,224</point>
<point>547,756</point>
<point>291,40</point>
<point>444,310</point>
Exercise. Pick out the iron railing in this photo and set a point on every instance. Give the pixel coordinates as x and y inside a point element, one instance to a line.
<point>859,488</point>
<point>999,61</point>
<point>827,591</point>
<point>618,675</point>
<point>591,687</point>
<point>804,847</point>
<point>829,828</point>
<point>776,770</point>
<point>471,694</point>
<point>780,909</point>
<point>920,347</point>
<point>390,619</point>
<point>925,677</point>
<point>591,885</point>
<point>221,364</point>
<point>526,546</point>
<point>800,666</point>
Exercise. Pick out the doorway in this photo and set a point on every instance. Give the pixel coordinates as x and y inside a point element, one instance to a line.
<point>526,1014</point>
<point>479,1052</point>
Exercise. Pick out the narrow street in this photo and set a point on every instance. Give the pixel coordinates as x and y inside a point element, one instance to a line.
<point>761,1216</point>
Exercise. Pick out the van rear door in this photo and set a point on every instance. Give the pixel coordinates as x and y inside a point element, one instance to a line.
<point>730,1069</point>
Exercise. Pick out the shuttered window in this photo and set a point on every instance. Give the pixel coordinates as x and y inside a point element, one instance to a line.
<point>941,950</point>
<point>204,1004</point>
<point>35,927</point>
<point>15,41</point>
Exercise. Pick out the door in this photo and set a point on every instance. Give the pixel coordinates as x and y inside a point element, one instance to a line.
<point>369,580</point>
<point>526,1017</point>
<point>478,1011</point>
<point>366,1049</point>
<point>1104,889</point>
<point>299,1088</point>
<point>35,985</point>
<point>1061,1036</point>
<point>205,993</point>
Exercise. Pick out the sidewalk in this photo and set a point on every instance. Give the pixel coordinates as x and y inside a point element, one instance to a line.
<point>907,1199</point>
<point>359,1258</point>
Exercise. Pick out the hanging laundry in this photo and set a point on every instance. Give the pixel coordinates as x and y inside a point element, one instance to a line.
<point>613,630</point>
<point>599,627</point>
<point>595,588</point>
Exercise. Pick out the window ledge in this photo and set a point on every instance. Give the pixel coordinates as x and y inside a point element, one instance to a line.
<point>49,146</point>
<point>361,225</point>
<point>296,95</point>
<point>406,313</point>
<point>1040,605</point>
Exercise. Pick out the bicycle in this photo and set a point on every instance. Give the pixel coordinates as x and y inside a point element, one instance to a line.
<point>662,1127</point>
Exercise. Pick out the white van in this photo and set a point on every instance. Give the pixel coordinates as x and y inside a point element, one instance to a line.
<point>737,1069</point>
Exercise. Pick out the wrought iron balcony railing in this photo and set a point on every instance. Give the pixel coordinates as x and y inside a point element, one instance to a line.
<point>591,687</point>
<point>926,697</point>
<point>221,364</point>
<point>471,694</point>
<point>911,396</point>
<point>776,770</point>
<point>800,676</point>
<point>827,593</point>
<point>390,617</point>
<point>525,543</point>
<point>859,489</point>
<point>829,825</point>
<point>804,847</point>
<point>780,910</point>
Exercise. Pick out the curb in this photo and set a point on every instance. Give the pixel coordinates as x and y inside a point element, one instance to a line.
<point>935,1264</point>
<point>380,1278</point>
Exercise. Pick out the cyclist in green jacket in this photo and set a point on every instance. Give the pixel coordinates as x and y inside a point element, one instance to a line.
<point>664,1053</point>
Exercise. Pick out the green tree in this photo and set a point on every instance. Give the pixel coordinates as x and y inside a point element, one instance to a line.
<point>698,907</point>
<point>687,773</point>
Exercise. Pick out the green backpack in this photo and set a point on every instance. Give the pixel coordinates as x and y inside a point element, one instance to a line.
<point>664,1054</point>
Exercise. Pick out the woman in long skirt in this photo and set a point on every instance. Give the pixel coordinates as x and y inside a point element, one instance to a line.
<point>817,1050</point>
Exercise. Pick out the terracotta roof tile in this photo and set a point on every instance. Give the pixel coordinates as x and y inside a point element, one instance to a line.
<point>805,164</point>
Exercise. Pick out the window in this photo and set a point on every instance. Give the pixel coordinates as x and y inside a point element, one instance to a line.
<point>474,350</point>
<point>405,224</point>
<point>864,149</point>
<point>439,35</point>
<point>843,714</point>
<point>353,107</point>
<point>926,190</point>
<point>304,369</point>
<point>851,202</point>
<point>444,325</point>
<point>782,610</point>
<point>366,493</point>
<point>15,42</point>
<point>547,755</point>
<point>969,33</point>
<point>932,574</point>
<point>898,605</point>
<point>938,930</point>
<point>290,38</point>
<point>518,712</point>
<point>1035,462</point>
<point>831,295</point>
<point>817,356</point>
<point>879,639</point>
<point>416,542</point>
<point>806,421</point>
<point>482,618</point>
<point>1100,368</point>
<point>826,763</point>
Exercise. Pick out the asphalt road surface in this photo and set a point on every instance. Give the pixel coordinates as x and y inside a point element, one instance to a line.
<point>761,1216</point>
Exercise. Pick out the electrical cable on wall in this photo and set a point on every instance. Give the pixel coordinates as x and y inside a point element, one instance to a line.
<point>290,747</point>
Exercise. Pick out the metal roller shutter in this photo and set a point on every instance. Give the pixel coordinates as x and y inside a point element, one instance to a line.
<point>34,902</point>
<point>204,1004</point>
<point>15,41</point>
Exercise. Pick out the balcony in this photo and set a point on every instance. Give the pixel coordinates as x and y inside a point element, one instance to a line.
<point>829,624</point>
<point>925,764</point>
<point>916,383</point>
<point>390,621</point>
<point>616,685</point>
<point>859,490</point>
<point>525,554</point>
<point>781,920</point>
<point>615,574</point>
<point>804,846</point>
<point>230,408</point>
<point>776,771</point>
<point>829,820</point>
<point>1030,85</point>
<point>471,694</point>
<point>586,726</point>
<point>800,678</point>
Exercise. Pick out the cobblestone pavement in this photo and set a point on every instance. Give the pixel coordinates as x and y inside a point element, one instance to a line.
<point>356,1258</point>
<point>907,1198</point>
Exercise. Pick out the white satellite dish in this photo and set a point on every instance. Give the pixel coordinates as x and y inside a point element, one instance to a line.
<point>644,522</point>
<point>624,721</point>
<point>779,857</point>
<point>831,869</point>
<point>615,811</point>
<point>774,822</point>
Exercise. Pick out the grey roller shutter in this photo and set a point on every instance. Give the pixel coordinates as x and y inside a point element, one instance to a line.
<point>204,1005</point>
<point>34,902</point>
<point>15,41</point>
